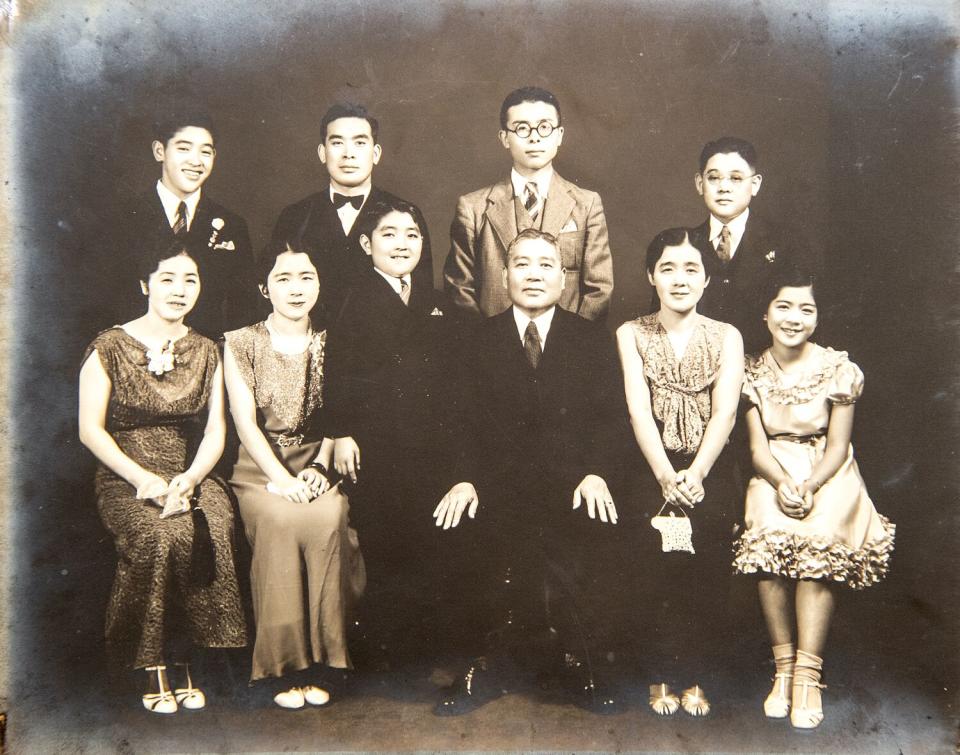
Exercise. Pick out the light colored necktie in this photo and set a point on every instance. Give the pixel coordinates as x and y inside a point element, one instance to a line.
<point>531,200</point>
<point>531,344</point>
<point>405,291</point>
<point>180,221</point>
<point>723,248</point>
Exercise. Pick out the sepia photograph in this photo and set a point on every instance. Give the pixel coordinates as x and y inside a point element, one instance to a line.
<point>523,376</point>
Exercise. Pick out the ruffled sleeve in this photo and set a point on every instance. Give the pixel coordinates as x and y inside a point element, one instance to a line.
<point>240,343</point>
<point>846,385</point>
<point>749,393</point>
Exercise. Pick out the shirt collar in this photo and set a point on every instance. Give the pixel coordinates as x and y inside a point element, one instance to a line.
<point>365,192</point>
<point>542,323</point>
<point>541,178</point>
<point>171,202</point>
<point>736,226</point>
<point>395,282</point>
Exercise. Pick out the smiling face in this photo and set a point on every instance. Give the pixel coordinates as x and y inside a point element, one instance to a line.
<point>679,277</point>
<point>792,316</point>
<point>727,185</point>
<point>534,276</point>
<point>172,289</point>
<point>395,244</point>
<point>349,152</point>
<point>186,159</point>
<point>292,285</point>
<point>535,151</point>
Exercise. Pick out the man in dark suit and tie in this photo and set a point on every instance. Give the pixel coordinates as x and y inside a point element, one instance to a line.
<point>326,224</point>
<point>179,208</point>
<point>544,421</point>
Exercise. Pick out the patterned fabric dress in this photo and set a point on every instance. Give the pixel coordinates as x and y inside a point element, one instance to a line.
<point>843,538</point>
<point>306,562</point>
<point>158,422</point>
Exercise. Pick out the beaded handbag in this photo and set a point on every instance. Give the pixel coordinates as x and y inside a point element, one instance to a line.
<point>676,532</point>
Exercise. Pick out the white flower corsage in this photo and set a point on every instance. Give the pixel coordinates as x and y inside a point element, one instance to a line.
<point>217,224</point>
<point>770,256</point>
<point>162,361</point>
<point>437,312</point>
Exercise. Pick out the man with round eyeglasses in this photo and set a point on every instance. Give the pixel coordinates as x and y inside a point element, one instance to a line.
<point>532,196</point>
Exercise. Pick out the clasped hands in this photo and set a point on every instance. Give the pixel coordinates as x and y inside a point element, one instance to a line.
<point>795,501</point>
<point>172,497</point>
<point>307,485</point>
<point>463,497</point>
<point>683,488</point>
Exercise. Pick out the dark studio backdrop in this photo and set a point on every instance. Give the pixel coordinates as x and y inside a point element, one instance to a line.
<point>852,107</point>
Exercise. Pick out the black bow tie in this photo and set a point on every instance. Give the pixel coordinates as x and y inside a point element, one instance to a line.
<point>339,200</point>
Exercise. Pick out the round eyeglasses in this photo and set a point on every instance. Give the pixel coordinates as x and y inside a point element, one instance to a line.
<point>523,130</point>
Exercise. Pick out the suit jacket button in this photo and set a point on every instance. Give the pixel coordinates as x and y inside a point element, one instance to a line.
<point>726,280</point>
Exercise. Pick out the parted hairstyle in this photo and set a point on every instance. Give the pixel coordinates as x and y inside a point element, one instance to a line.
<point>370,218</point>
<point>792,276</point>
<point>726,145</point>
<point>268,257</point>
<point>167,126</point>
<point>148,258</point>
<point>528,94</point>
<point>533,233</point>
<point>676,237</point>
<point>348,110</point>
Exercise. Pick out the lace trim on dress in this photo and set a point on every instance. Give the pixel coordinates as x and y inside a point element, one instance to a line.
<point>760,374</point>
<point>796,557</point>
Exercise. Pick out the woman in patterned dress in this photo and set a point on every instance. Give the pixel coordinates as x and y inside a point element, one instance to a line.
<point>151,411</point>
<point>809,521</point>
<point>682,375</point>
<point>306,562</point>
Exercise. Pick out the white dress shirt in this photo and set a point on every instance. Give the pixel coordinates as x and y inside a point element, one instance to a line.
<point>737,228</point>
<point>348,214</point>
<point>542,324</point>
<point>171,202</point>
<point>393,281</point>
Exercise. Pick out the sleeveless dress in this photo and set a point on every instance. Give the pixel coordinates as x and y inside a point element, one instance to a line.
<point>158,422</point>
<point>306,564</point>
<point>843,538</point>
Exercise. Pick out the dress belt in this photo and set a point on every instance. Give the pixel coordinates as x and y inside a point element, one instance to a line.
<point>284,440</point>
<point>807,440</point>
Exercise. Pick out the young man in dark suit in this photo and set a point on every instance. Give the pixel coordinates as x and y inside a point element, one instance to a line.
<point>179,207</point>
<point>748,248</point>
<point>326,224</point>
<point>544,422</point>
<point>388,399</point>
<point>532,196</point>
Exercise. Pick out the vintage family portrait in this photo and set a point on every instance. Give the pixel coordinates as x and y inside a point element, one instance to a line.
<point>467,376</point>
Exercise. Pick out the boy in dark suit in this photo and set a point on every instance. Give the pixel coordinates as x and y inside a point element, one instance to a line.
<point>533,196</point>
<point>388,396</point>
<point>178,207</point>
<point>545,420</point>
<point>327,223</point>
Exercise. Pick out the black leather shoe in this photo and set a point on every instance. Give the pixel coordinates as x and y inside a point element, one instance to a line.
<point>586,691</point>
<point>476,687</point>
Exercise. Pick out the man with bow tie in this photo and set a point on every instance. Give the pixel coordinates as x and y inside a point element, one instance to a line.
<point>326,224</point>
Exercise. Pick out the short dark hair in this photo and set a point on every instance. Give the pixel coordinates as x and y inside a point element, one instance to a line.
<point>528,234</point>
<point>676,237</point>
<point>268,257</point>
<point>370,218</point>
<point>791,276</point>
<point>348,110</point>
<point>726,145</point>
<point>167,126</point>
<point>528,94</point>
<point>149,257</point>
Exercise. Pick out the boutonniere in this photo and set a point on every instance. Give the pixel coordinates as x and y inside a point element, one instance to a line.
<point>217,225</point>
<point>437,312</point>
<point>162,360</point>
<point>770,256</point>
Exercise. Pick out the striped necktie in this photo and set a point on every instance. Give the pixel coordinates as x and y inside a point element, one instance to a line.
<point>723,247</point>
<point>180,221</point>
<point>531,200</point>
<point>531,344</point>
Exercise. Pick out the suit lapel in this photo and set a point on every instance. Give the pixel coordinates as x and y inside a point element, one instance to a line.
<point>558,207</point>
<point>501,214</point>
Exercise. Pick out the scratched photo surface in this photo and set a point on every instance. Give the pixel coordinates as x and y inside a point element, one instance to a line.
<point>853,108</point>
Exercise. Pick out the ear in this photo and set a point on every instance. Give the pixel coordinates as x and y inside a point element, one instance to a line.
<point>322,153</point>
<point>563,278</point>
<point>698,182</point>
<point>503,139</point>
<point>706,281</point>
<point>365,244</point>
<point>650,278</point>
<point>158,151</point>
<point>559,131</point>
<point>143,288</point>
<point>755,182</point>
<point>263,291</point>
<point>503,277</point>
<point>377,153</point>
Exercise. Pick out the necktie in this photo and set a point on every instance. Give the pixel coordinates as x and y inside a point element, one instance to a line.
<point>180,221</point>
<point>531,344</point>
<point>405,291</point>
<point>531,200</point>
<point>723,248</point>
<point>339,200</point>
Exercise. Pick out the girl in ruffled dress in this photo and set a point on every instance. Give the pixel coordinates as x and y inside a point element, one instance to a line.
<point>809,521</point>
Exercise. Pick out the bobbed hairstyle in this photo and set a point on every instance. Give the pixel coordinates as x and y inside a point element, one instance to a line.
<point>348,110</point>
<point>528,94</point>
<point>268,257</point>
<point>149,257</point>
<point>370,218</point>
<point>677,237</point>
<point>167,126</point>
<point>726,145</point>
<point>533,234</point>
<point>791,276</point>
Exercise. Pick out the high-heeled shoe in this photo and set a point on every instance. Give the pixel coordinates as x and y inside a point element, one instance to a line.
<point>315,695</point>
<point>189,697</point>
<point>694,701</point>
<point>777,704</point>
<point>803,715</point>
<point>162,701</point>
<point>662,700</point>
<point>291,699</point>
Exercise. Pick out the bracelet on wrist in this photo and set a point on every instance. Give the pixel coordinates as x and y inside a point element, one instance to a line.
<point>321,468</point>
